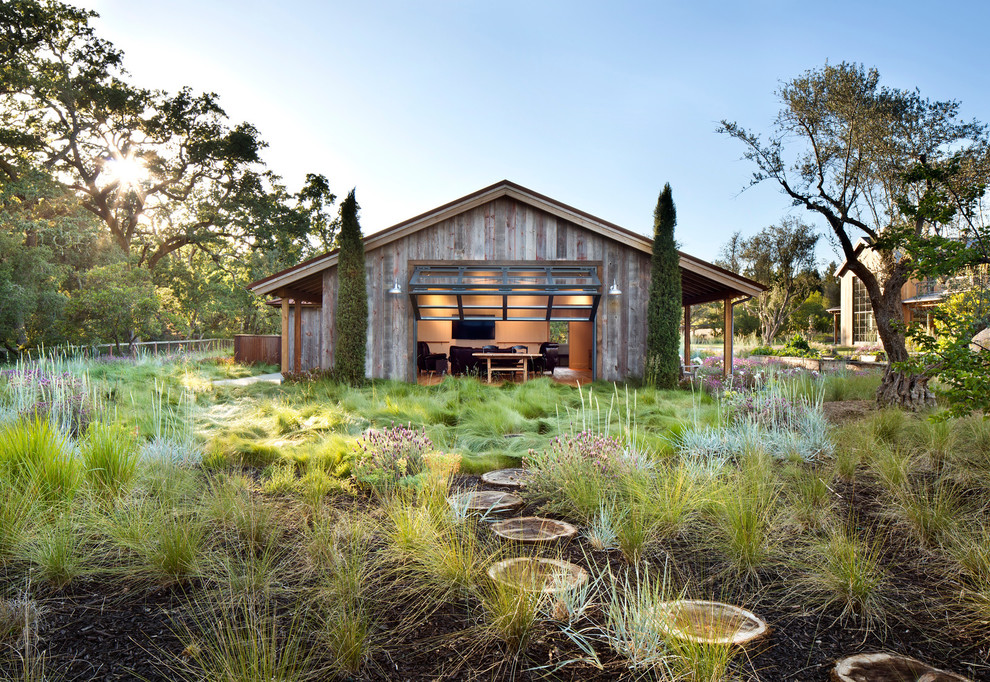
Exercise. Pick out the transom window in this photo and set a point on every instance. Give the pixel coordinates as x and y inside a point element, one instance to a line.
<point>534,292</point>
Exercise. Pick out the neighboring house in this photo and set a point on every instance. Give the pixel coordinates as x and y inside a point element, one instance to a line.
<point>855,324</point>
<point>503,257</point>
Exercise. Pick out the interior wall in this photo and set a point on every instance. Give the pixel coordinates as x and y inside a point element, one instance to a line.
<point>580,344</point>
<point>507,333</point>
<point>529,334</point>
<point>436,333</point>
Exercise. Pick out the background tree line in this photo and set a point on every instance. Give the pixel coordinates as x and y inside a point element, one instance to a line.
<point>800,291</point>
<point>128,212</point>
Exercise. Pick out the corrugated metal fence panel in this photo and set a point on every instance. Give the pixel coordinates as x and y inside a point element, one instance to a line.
<point>258,348</point>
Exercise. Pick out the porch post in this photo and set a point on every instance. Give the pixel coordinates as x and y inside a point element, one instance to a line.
<point>727,338</point>
<point>284,363</point>
<point>297,338</point>
<point>687,335</point>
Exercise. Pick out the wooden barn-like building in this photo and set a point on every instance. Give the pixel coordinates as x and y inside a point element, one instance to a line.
<point>505,259</point>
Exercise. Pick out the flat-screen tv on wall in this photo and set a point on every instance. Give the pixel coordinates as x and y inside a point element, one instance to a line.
<point>473,329</point>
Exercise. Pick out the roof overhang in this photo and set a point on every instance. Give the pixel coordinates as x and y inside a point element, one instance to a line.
<point>924,300</point>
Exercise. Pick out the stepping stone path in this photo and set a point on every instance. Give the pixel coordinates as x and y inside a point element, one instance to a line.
<point>535,574</point>
<point>709,622</point>
<point>883,667</point>
<point>484,502</point>
<point>534,529</point>
<point>692,620</point>
<point>508,478</point>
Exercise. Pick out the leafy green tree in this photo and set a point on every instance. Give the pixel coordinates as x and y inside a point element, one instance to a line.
<point>117,304</point>
<point>744,322</point>
<point>350,323</point>
<point>42,232</point>
<point>811,315</point>
<point>839,148</point>
<point>956,254</point>
<point>161,171</point>
<point>777,256</point>
<point>167,179</point>
<point>314,202</point>
<point>663,314</point>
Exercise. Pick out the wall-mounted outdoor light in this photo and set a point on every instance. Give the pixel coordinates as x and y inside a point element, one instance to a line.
<point>396,289</point>
<point>614,289</point>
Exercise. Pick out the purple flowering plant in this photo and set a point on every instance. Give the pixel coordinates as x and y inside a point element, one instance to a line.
<point>601,453</point>
<point>391,454</point>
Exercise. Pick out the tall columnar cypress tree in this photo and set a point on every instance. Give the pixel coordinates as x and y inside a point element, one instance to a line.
<point>350,323</point>
<point>663,317</point>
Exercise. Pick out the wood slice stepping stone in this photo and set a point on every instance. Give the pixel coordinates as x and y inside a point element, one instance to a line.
<point>536,574</point>
<point>507,478</point>
<point>534,529</point>
<point>710,622</point>
<point>883,667</point>
<point>484,502</point>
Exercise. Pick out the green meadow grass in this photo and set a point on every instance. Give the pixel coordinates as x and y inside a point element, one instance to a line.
<point>244,497</point>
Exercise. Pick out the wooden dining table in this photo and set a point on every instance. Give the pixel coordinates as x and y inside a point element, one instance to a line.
<point>522,367</point>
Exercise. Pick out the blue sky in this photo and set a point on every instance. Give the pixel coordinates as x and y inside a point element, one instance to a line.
<point>595,104</point>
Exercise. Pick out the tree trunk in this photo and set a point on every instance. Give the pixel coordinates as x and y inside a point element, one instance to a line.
<point>907,391</point>
<point>898,389</point>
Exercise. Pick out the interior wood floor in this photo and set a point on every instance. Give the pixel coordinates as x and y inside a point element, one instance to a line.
<point>562,375</point>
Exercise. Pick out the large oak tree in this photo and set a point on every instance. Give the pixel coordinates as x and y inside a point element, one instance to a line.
<point>161,171</point>
<point>840,147</point>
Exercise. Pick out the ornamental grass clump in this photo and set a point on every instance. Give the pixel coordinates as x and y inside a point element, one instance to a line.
<point>246,642</point>
<point>969,550</point>
<point>393,456</point>
<point>109,455</point>
<point>745,512</point>
<point>769,417</point>
<point>43,390</point>
<point>511,612</point>
<point>930,511</point>
<point>632,628</point>
<point>37,458</point>
<point>576,473</point>
<point>58,552</point>
<point>845,572</point>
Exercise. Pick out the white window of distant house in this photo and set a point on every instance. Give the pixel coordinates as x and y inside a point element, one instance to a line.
<point>864,326</point>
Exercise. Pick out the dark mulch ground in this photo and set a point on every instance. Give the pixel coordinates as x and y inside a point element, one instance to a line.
<point>102,631</point>
<point>847,410</point>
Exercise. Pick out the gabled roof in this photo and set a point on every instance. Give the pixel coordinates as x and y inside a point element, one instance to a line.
<point>303,276</point>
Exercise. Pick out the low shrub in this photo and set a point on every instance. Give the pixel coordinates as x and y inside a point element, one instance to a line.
<point>390,456</point>
<point>796,347</point>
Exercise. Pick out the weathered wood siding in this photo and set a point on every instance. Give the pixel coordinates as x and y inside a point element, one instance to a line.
<point>312,337</point>
<point>501,230</point>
